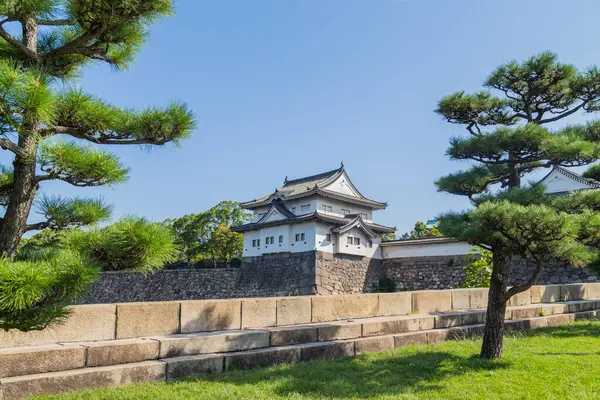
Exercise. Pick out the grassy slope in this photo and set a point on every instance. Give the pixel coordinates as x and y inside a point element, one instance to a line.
<point>553,363</point>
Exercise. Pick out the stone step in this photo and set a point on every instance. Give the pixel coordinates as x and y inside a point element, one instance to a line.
<point>211,342</point>
<point>61,357</point>
<point>178,367</point>
<point>85,378</point>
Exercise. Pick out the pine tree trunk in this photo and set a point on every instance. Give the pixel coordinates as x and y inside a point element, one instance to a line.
<point>14,222</point>
<point>494,323</point>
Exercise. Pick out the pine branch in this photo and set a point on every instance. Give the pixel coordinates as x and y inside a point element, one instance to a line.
<point>15,42</point>
<point>37,227</point>
<point>7,144</point>
<point>563,115</point>
<point>521,288</point>
<point>57,22</point>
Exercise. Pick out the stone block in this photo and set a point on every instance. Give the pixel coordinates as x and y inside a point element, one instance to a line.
<point>373,344</point>
<point>552,309</point>
<point>540,322</point>
<point>122,351</point>
<point>426,301</point>
<point>520,299</point>
<point>555,320</point>
<point>293,335</point>
<point>573,291</point>
<point>395,303</point>
<point>516,325</point>
<point>592,291</point>
<point>211,342</point>
<point>38,359</point>
<point>463,299</point>
<point>84,378</point>
<point>145,319</point>
<point>584,315</point>
<point>339,331</point>
<point>475,330</point>
<point>524,312</point>
<point>262,358</point>
<point>182,367</point>
<point>294,310</point>
<point>335,308</point>
<point>437,335</point>
<point>259,313</point>
<point>326,350</point>
<point>448,320</point>
<point>545,294</point>
<point>410,339</point>
<point>390,325</point>
<point>86,322</point>
<point>210,315</point>
<point>457,333</point>
<point>473,317</point>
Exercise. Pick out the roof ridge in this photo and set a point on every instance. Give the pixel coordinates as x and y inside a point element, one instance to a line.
<point>309,178</point>
<point>577,176</point>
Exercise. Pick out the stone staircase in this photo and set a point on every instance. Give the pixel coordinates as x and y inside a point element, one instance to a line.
<point>60,367</point>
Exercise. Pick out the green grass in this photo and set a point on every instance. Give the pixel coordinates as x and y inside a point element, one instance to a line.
<point>551,363</point>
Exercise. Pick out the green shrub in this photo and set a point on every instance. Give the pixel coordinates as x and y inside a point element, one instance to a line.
<point>34,293</point>
<point>130,244</point>
<point>479,270</point>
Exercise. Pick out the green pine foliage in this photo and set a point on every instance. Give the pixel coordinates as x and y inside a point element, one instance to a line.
<point>130,244</point>
<point>509,136</point>
<point>46,46</point>
<point>34,293</point>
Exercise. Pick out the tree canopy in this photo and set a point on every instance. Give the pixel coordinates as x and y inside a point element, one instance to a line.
<point>52,128</point>
<point>509,136</point>
<point>206,238</point>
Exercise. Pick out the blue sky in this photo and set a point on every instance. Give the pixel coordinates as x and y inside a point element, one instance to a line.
<point>294,87</point>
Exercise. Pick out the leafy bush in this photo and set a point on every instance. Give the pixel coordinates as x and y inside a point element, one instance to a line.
<point>34,293</point>
<point>132,243</point>
<point>479,270</point>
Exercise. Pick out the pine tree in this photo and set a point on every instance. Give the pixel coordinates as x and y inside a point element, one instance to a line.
<point>509,137</point>
<point>44,122</point>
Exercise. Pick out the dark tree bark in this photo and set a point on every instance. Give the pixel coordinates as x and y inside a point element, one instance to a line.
<point>14,223</point>
<point>496,309</point>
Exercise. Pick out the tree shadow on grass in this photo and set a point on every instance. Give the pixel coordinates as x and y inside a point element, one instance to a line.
<point>589,328</point>
<point>364,377</point>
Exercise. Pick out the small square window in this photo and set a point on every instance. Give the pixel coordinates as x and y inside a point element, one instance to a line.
<point>297,237</point>
<point>349,240</point>
<point>302,237</point>
<point>305,208</point>
<point>370,243</point>
<point>328,237</point>
<point>257,242</point>
<point>294,209</point>
<point>363,215</point>
<point>253,242</point>
<point>326,208</point>
<point>280,238</point>
<point>346,211</point>
<point>357,241</point>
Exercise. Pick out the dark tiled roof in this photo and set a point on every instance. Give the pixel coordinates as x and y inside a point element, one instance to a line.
<point>419,241</point>
<point>310,217</point>
<point>313,185</point>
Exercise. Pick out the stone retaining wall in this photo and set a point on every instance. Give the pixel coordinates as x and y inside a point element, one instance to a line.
<point>271,275</point>
<point>444,272</point>
<point>346,274</point>
<point>130,320</point>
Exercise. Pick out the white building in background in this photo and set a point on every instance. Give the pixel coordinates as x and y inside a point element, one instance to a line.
<point>562,181</point>
<point>327,213</point>
<point>323,212</point>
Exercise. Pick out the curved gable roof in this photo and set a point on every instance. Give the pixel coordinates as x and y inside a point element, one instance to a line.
<point>356,223</point>
<point>315,184</point>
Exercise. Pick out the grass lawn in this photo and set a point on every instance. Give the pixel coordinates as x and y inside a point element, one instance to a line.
<point>551,363</point>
